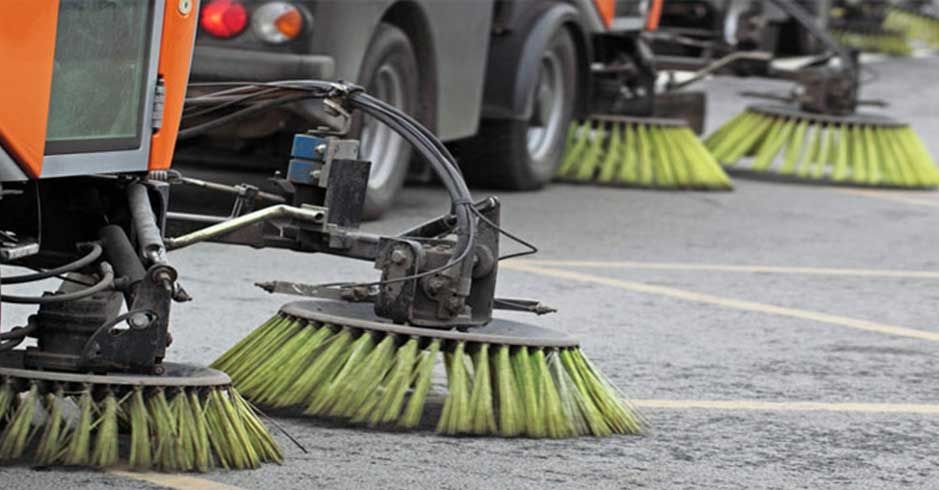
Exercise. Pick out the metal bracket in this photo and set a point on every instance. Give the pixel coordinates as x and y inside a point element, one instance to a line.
<point>142,344</point>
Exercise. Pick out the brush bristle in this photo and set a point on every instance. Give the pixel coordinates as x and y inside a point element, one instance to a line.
<point>383,380</point>
<point>891,43</point>
<point>169,429</point>
<point>640,155</point>
<point>76,451</point>
<point>848,153</point>
<point>53,434</point>
<point>19,429</point>
<point>924,28</point>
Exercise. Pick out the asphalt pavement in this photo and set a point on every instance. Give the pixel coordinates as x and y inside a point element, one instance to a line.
<point>777,336</point>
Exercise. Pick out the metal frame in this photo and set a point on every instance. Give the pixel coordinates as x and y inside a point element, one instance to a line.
<point>358,315</point>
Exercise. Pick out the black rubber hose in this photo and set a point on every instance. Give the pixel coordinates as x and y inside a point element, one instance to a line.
<point>258,108</point>
<point>149,238</point>
<point>20,332</point>
<point>120,254</point>
<point>413,132</point>
<point>106,282</point>
<point>79,264</point>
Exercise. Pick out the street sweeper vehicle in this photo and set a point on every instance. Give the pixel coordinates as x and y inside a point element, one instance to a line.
<point>818,133</point>
<point>500,81</point>
<point>91,100</point>
<point>889,27</point>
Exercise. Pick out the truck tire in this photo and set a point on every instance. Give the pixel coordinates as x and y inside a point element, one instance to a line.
<point>389,72</point>
<point>525,154</point>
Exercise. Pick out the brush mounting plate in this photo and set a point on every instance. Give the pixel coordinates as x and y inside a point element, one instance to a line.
<point>175,375</point>
<point>856,119</point>
<point>646,121</point>
<point>358,315</point>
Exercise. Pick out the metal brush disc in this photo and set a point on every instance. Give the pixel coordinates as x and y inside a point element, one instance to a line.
<point>11,364</point>
<point>646,121</point>
<point>857,119</point>
<point>362,315</point>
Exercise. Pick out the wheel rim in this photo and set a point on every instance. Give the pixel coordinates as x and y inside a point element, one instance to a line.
<point>544,126</point>
<point>379,144</point>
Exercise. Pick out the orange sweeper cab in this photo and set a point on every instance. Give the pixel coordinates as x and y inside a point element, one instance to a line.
<point>91,96</point>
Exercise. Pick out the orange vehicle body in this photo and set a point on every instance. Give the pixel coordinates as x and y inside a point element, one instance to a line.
<point>27,48</point>
<point>179,32</point>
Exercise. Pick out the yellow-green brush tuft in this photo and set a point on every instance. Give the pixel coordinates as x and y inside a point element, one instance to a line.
<point>481,407</point>
<point>197,429</point>
<point>140,455</point>
<point>636,152</point>
<point>891,43</point>
<point>186,428</point>
<point>864,151</point>
<point>383,379</point>
<point>455,418</point>
<point>915,25</point>
<point>166,438</point>
<point>77,451</point>
<point>420,383</point>
<point>19,429</point>
<point>7,396</point>
<point>53,435</point>
<point>106,446</point>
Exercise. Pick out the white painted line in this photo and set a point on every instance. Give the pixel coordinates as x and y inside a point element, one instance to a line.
<point>736,304</point>
<point>918,198</point>
<point>694,267</point>
<point>175,482</point>
<point>790,406</point>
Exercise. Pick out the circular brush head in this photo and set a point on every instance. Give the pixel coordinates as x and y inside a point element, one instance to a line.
<point>509,379</point>
<point>639,152</point>
<point>915,25</point>
<point>189,419</point>
<point>873,40</point>
<point>860,149</point>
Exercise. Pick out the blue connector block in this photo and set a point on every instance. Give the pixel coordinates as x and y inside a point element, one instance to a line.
<point>301,171</point>
<point>304,146</point>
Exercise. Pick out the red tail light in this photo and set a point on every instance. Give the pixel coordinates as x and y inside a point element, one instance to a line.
<point>224,18</point>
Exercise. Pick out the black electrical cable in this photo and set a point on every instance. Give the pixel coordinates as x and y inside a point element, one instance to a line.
<point>86,260</point>
<point>424,141</point>
<point>229,103</point>
<point>449,157</point>
<point>532,249</point>
<point>16,335</point>
<point>442,162</point>
<point>106,282</point>
<point>251,110</point>
<point>20,332</point>
<point>11,344</point>
<point>63,278</point>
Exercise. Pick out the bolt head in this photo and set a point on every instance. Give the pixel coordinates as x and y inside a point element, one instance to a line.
<point>185,7</point>
<point>399,256</point>
<point>139,320</point>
